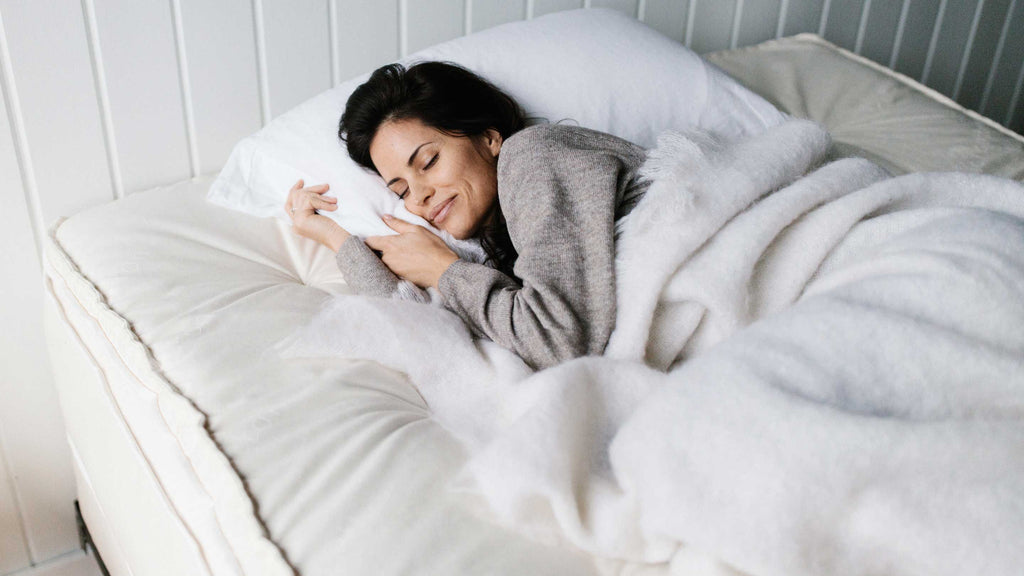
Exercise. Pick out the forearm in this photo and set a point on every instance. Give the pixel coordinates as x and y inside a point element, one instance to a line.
<point>335,238</point>
<point>539,329</point>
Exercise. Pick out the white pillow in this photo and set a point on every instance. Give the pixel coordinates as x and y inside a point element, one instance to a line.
<point>597,68</point>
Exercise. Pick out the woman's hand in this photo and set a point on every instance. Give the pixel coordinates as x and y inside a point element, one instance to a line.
<point>415,254</point>
<point>301,206</point>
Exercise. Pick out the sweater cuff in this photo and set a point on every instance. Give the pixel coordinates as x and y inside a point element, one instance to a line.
<point>465,287</point>
<point>363,270</point>
<point>458,273</point>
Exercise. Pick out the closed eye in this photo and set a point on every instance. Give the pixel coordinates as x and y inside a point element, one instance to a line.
<point>429,164</point>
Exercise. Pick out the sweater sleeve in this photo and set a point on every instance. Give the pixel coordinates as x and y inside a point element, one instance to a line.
<point>363,270</point>
<point>558,188</point>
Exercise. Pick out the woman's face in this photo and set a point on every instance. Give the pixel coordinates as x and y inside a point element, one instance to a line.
<point>450,181</point>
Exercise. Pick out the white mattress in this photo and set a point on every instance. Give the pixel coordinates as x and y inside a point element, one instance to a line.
<point>259,465</point>
<point>346,466</point>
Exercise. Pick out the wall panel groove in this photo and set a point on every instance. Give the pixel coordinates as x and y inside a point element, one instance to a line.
<point>332,35</point>
<point>993,69</point>
<point>403,28</point>
<point>1015,100</point>
<point>737,17</point>
<point>260,39</point>
<point>934,42</point>
<point>100,84</point>
<point>858,44</point>
<point>900,29</point>
<point>975,20</point>
<point>780,26</point>
<point>186,88</point>
<point>23,155</point>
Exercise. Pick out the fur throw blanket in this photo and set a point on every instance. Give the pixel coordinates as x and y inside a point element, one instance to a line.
<point>815,369</point>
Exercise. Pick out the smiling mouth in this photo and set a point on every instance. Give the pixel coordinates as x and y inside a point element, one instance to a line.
<point>442,211</point>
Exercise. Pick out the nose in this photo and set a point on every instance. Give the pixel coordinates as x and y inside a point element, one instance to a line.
<point>419,197</point>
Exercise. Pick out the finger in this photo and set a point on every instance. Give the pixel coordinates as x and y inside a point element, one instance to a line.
<point>398,225</point>
<point>297,186</point>
<point>320,204</point>
<point>319,188</point>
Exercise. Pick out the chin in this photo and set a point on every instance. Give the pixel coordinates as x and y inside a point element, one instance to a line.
<point>460,234</point>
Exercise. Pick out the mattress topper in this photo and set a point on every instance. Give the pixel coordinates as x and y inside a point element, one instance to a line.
<point>341,458</point>
<point>874,112</point>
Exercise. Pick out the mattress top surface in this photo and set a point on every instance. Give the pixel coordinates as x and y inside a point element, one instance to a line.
<point>342,457</point>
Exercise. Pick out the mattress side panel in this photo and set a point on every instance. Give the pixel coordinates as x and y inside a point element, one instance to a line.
<point>134,528</point>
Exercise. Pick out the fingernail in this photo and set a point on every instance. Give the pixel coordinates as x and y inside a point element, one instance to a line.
<point>387,216</point>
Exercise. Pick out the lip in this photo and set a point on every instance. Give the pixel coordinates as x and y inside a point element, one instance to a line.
<point>442,210</point>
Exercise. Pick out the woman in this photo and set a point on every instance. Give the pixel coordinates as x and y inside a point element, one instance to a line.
<point>543,201</point>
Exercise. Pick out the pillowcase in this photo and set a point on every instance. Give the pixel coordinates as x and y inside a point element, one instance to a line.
<point>597,68</point>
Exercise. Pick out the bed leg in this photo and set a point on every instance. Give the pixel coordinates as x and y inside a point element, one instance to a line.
<point>85,540</point>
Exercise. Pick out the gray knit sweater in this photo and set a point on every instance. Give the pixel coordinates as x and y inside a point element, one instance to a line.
<point>561,189</point>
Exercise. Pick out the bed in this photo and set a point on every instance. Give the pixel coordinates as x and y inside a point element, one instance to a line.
<point>196,452</point>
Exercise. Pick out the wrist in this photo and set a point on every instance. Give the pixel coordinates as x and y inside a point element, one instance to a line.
<point>443,267</point>
<point>335,238</point>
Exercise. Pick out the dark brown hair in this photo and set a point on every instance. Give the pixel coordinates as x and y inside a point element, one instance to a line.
<point>448,98</point>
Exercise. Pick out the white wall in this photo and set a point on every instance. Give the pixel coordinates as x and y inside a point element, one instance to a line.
<point>104,98</point>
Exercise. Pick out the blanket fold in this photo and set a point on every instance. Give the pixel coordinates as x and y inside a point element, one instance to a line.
<point>815,369</point>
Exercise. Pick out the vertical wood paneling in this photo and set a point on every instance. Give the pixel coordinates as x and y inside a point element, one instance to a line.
<point>136,41</point>
<point>712,25</point>
<point>1007,68</point>
<point>431,22</point>
<point>488,13</point>
<point>53,81</point>
<point>13,225</point>
<point>298,51</point>
<point>802,16</point>
<point>542,7</point>
<point>667,17</point>
<point>219,48</point>
<point>880,28</point>
<point>843,22</point>
<point>983,53</point>
<point>949,49</point>
<point>759,21</point>
<point>627,7</point>
<point>31,429</point>
<point>367,36</point>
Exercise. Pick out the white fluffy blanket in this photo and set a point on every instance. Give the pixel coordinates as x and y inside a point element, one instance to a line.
<point>816,369</point>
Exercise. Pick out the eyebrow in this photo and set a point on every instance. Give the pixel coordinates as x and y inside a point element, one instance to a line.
<point>409,163</point>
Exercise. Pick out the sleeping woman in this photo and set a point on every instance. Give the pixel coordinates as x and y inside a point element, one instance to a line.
<point>543,200</point>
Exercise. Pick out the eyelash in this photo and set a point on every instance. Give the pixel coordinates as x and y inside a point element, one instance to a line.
<point>429,164</point>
